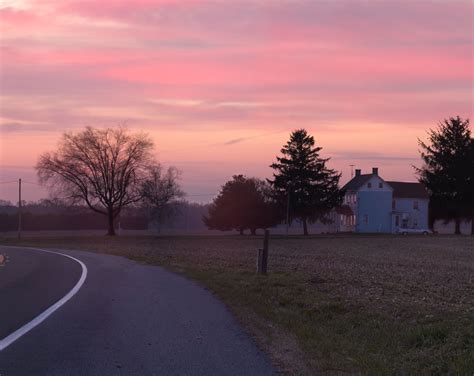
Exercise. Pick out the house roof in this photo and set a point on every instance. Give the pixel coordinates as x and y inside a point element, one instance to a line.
<point>408,190</point>
<point>344,209</point>
<point>357,181</point>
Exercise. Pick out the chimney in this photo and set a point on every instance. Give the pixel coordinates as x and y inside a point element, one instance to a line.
<point>358,171</point>
<point>375,170</point>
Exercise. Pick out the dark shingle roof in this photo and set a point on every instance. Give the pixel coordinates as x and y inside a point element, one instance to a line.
<point>344,209</point>
<point>408,190</point>
<point>356,182</point>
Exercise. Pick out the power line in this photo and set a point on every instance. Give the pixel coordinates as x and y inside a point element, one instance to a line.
<point>30,182</point>
<point>202,194</point>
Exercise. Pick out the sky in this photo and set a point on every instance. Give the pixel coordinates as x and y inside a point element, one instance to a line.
<point>219,85</point>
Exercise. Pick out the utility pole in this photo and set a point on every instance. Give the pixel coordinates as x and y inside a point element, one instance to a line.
<point>288,213</point>
<point>19,208</point>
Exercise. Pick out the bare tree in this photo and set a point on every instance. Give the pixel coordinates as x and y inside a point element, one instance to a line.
<point>105,168</point>
<point>161,189</point>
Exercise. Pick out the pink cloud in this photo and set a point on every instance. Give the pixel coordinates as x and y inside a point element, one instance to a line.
<point>337,67</point>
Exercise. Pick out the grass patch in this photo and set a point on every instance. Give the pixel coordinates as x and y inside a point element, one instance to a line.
<point>378,305</point>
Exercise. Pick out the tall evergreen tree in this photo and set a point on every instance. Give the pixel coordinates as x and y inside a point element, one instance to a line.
<point>242,204</point>
<point>302,182</point>
<point>448,171</point>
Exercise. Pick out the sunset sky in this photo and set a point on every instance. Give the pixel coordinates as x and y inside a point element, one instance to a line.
<point>220,84</point>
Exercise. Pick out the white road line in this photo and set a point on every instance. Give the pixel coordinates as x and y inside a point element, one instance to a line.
<point>5,342</point>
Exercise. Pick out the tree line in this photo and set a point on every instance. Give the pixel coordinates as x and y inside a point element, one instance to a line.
<point>52,215</point>
<point>111,169</point>
<point>308,190</point>
<point>302,188</point>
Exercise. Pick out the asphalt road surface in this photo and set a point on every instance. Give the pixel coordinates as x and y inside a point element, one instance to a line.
<point>126,319</point>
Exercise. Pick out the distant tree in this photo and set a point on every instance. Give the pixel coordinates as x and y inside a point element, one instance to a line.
<point>160,190</point>
<point>448,170</point>
<point>51,202</point>
<point>243,203</point>
<point>303,182</point>
<point>5,203</point>
<point>104,168</point>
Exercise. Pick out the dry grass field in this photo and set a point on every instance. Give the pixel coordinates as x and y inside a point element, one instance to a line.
<point>332,305</point>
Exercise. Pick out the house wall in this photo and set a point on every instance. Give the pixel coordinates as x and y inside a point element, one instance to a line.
<point>419,216</point>
<point>374,181</point>
<point>377,206</point>
<point>376,203</point>
<point>345,225</point>
<point>350,199</point>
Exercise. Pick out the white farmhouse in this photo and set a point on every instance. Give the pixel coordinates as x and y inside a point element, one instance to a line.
<point>373,205</point>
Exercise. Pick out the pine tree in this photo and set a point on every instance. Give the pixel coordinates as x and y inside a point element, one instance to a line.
<point>448,171</point>
<point>302,182</point>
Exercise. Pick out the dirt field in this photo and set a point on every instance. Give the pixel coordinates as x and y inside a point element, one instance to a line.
<point>341,304</point>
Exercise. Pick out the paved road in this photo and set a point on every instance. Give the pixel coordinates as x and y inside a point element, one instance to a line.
<point>127,319</point>
<point>30,282</point>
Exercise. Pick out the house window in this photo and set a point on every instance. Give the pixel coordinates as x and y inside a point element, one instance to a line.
<point>369,185</point>
<point>380,185</point>
<point>393,205</point>
<point>397,220</point>
<point>415,205</point>
<point>366,219</point>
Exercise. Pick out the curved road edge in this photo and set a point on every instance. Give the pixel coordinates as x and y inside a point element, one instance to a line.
<point>8,340</point>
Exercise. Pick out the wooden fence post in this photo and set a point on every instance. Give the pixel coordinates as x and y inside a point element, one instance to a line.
<point>262,255</point>
<point>259,260</point>
<point>265,252</point>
